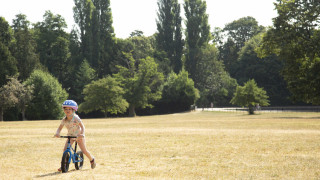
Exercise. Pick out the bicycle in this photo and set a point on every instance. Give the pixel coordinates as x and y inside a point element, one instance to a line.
<point>71,154</point>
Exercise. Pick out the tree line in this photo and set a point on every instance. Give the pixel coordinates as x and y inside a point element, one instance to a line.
<point>164,73</point>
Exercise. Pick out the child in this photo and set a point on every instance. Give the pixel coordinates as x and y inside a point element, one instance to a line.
<point>75,128</point>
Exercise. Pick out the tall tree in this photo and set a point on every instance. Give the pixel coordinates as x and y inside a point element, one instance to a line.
<point>265,71</point>
<point>295,38</point>
<point>81,77</point>
<point>197,33</point>
<point>8,64</point>
<point>243,29</point>
<point>169,36</point>
<point>238,32</point>
<point>214,83</point>
<point>94,18</point>
<point>141,82</point>
<point>24,48</point>
<point>52,45</point>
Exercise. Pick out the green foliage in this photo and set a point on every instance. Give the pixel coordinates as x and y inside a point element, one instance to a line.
<point>48,98</point>
<point>197,33</point>
<point>141,82</point>
<point>60,56</point>
<point>169,36</point>
<point>17,94</point>
<point>238,32</point>
<point>214,82</point>
<point>295,38</point>
<point>81,77</point>
<point>8,96</point>
<point>24,47</point>
<point>243,29</point>
<point>265,71</point>
<point>24,93</point>
<point>8,64</point>
<point>94,18</point>
<point>52,45</point>
<point>105,95</point>
<point>250,95</point>
<point>142,46</point>
<point>139,46</point>
<point>179,92</point>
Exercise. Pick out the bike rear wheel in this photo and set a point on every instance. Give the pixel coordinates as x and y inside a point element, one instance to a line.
<point>79,165</point>
<point>65,162</point>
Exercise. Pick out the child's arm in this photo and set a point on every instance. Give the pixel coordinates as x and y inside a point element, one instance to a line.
<point>58,130</point>
<point>82,129</point>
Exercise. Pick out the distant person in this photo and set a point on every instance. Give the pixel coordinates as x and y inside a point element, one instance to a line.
<point>75,128</point>
<point>258,107</point>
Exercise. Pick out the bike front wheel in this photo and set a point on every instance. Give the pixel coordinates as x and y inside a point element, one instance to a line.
<point>65,162</point>
<point>78,157</point>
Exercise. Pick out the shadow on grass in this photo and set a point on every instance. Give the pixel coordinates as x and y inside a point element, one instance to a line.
<point>56,173</point>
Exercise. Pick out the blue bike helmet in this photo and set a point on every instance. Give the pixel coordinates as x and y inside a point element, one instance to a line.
<point>70,103</point>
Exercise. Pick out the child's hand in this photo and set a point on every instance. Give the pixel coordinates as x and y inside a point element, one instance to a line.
<point>57,135</point>
<point>80,136</point>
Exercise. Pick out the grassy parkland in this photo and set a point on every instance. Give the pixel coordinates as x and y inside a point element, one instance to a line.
<point>194,145</point>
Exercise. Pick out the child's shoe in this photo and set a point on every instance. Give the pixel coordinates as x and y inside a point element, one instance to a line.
<point>93,163</point>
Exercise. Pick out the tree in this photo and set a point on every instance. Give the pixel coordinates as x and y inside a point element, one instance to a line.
<point>52,45</point>
<point>21,95</point>
<point>24,47</point>
<point>94,18</point>
<point>238,32</point>
<point>7,97</point>
<point>178,92</point>
<point>243,29</point>
<point>105,95</point>
<point>169,36</point>
<point>265,71</point>
<point>141,82</point>
<point>214,83</point>
<point>8,64</point>
<point>81,77</point>
<point>197,33</point>
<point>60,58</point>
<point>136,33</point>
<point>49,97</point>
<point>295,38</point>
<point>249,96</point>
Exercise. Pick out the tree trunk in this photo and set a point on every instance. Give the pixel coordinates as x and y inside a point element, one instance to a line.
<point>1,114</point>
<point>23,114</point>
<point>105,112</point>
<point>132,112</point>
<point>251,110</point>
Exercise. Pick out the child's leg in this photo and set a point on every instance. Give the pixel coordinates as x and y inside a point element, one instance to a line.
<point>66,145</point>
<point>65,148</point>
<point>82,145</point>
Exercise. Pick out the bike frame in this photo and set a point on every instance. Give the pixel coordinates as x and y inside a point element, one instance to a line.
<point>72,155</point>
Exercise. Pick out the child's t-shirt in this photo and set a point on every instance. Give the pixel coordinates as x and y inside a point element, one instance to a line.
<point>72,125</point>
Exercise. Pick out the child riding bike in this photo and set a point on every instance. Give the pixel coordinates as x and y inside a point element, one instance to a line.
<point>75,128</point>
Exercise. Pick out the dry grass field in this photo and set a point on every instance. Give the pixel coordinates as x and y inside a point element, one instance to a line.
<point>195,145</point>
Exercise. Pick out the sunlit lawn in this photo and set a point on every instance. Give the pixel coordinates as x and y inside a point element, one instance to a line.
<point>196,145</point>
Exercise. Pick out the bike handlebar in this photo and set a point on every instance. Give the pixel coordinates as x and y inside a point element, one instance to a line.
<point>68,136</point>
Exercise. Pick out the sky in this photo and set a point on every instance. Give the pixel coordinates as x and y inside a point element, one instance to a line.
<point>131,15</point>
